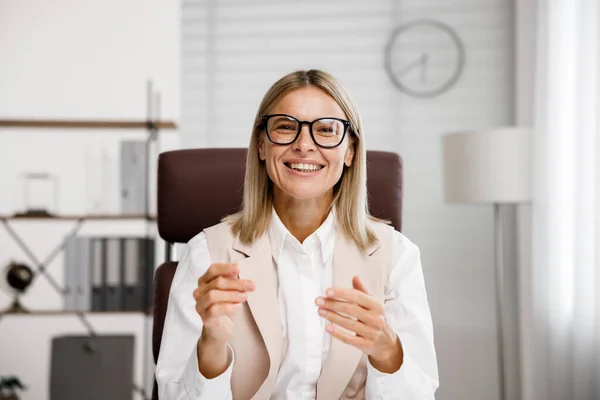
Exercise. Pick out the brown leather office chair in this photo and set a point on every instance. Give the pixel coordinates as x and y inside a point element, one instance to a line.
<point>196,188</point>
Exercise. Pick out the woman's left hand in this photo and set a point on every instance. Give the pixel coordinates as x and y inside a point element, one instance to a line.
<point>363,315</point>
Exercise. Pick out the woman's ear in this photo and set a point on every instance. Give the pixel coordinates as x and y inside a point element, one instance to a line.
<point>349,156</point>
<point>261,148</point>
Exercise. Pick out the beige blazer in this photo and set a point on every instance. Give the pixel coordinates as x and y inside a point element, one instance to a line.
<point>257,340</point>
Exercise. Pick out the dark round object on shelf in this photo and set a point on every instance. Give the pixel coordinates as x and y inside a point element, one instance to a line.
<point>19,276</point>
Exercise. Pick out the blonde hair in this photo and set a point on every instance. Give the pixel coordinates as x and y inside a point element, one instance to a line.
<point>350,193</point>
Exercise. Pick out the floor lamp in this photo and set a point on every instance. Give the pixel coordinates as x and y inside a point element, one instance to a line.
<point>490,167</point>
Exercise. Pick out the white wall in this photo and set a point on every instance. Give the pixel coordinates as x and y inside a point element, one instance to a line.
<point>234,50</point>
<point>75,60</point>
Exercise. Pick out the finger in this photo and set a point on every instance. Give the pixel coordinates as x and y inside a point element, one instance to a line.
<point>221,296</point>
<point>218,269</point>
<point>355,296</point>
<point>338,333</point>
<point>358,285</point>
<point>369,317</point>
<point>351,325</point>
<point>225,283</point>
<point>220,309</point>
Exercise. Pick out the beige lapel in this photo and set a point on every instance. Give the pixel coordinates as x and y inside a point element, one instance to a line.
<point>348,262</point>
<point>258,267</point>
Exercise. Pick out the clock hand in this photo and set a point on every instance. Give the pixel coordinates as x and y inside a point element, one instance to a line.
<point>424,61</point>
<point>421,61</point>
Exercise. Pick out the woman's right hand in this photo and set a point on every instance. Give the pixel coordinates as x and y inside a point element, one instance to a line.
<point>219,296</point>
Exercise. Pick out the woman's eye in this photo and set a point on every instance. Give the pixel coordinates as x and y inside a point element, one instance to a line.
<point>285,128</point>
<point>325,130</point>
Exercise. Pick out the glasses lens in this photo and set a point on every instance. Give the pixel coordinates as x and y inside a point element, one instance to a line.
<point>328,132</point>
<point>282,129</point>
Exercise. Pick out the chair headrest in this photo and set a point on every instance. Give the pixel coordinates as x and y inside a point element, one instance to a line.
<point>198,187</point>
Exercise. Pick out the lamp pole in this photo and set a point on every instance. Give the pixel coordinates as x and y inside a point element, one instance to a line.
<point>499,284</point>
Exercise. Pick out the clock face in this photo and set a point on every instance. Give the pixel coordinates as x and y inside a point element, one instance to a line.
<point>424,58</point>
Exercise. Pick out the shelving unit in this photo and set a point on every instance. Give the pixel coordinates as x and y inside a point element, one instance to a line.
<point>62,312</point>
<point>151,127</point>
<point>85,124</point>
<point>79,217</point>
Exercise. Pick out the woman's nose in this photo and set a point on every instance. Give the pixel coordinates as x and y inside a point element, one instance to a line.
<point>304,141</point>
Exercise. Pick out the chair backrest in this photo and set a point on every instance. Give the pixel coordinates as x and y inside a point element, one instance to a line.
<point>198,187</point>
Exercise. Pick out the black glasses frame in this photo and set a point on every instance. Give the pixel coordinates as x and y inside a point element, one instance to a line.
<point>265,120</point>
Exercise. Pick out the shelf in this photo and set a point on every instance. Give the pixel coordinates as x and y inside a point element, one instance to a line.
<point>64,312</point>
<point>91,124</point>
<point>75,217</point>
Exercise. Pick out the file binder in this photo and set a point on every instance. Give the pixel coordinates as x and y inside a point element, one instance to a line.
<point>112,287</point>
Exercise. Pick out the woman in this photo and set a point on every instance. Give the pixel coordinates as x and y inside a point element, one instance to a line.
<point>302,294</point>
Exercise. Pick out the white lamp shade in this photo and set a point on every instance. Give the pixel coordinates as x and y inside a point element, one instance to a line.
<point>493,166</point>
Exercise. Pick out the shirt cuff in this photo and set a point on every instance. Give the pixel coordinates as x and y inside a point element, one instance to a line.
<point>387,386</point>
<point>402,384</point>
<point>197,384</point>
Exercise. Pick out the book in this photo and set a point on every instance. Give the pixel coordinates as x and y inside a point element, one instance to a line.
<point>112,287</point>
<point>70,267</point>
<point>132,297</point>
<point>83,279</point>
<point>97,291</point>
<point>133,177</point>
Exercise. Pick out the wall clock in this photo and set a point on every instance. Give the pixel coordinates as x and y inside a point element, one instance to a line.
<point>424,58</point>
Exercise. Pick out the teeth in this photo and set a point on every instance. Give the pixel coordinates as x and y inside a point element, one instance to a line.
<point>305,167</point>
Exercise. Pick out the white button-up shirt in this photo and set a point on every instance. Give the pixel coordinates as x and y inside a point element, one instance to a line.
<point>304,271</point>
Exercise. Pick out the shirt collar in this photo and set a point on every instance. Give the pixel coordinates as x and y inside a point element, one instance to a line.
<point>322,239</point>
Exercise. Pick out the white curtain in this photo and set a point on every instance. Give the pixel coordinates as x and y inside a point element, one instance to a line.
<point>564,333</point>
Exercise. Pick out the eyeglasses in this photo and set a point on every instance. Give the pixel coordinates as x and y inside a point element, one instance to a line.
<point>326,132</point>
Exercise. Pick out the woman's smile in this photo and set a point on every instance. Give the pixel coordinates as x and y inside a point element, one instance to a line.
<point>303,168</point>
